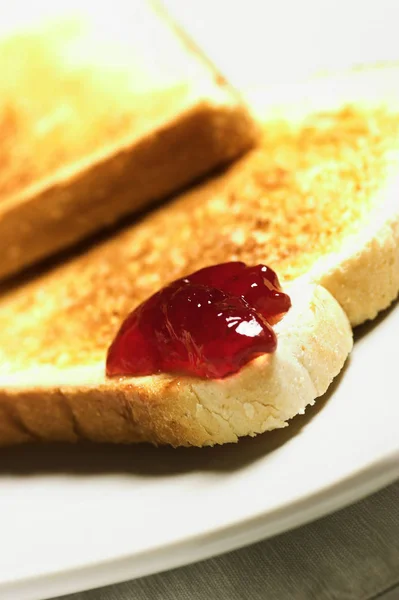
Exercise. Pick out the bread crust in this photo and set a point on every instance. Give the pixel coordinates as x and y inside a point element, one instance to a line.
<point>314,340</point>
<point>59,212</point>
<point>364,276</point>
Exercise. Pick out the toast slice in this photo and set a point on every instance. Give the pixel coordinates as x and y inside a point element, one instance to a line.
<point>317,191</point>
<point>45,402</point>
<point>103,110</point>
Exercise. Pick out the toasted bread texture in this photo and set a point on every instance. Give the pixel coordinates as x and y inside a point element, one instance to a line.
<point>352,123</point>
<point>103,111</point>
<point>79,403</point>
<point>316,200</point>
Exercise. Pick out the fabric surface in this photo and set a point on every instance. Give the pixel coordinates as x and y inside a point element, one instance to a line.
<point>350,555</point>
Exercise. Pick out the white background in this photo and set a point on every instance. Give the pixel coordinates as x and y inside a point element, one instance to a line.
<point>282,40</point>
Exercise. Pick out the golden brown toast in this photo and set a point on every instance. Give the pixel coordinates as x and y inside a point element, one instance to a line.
<point>48,403</point>
<point>316,192</point>
<point>103,111</point>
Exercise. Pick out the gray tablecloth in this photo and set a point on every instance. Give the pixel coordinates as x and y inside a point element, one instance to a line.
<point>350,555</point>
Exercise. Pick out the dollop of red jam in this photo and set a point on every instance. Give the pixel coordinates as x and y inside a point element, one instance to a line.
<point>208,324</point>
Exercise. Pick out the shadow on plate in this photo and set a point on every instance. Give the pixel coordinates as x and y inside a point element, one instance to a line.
<point>146,460</point>
<point>362,330</point>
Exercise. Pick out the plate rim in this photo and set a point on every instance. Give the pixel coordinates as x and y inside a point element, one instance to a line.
<point>201,546</point>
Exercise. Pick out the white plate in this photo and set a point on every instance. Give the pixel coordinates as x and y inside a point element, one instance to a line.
<point>73,518</point>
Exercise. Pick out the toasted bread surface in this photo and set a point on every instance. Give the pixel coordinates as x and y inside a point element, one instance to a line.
<point>51,404</point>
<point>362,268</point>
<point>314,200</point>
<point>101,112</point>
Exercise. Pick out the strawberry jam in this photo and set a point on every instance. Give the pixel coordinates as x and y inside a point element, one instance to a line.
<point>208,324</point>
